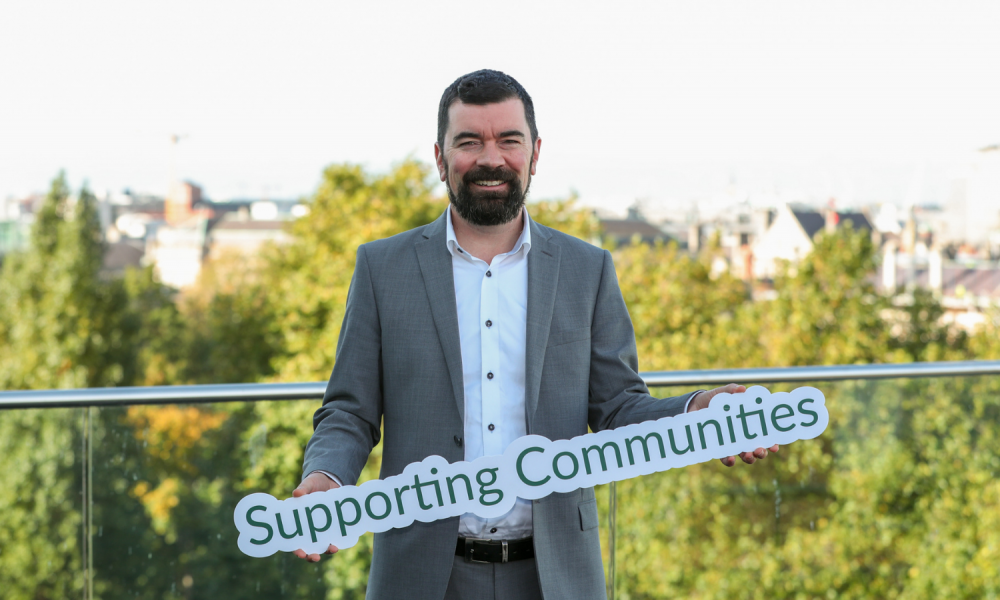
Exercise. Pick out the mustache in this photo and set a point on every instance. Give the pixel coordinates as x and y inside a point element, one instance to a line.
<point>482,174</point>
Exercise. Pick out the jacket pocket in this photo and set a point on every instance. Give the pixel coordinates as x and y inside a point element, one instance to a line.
<point>588,514</point>
<point>566,336</point>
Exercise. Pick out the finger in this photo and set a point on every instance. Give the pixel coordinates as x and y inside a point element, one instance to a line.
<point>729,461</point>
<point>773,448</point>
<point>332,549</point>
<point>760,452</point>
<point>748,458</point>
<point>300,553</point>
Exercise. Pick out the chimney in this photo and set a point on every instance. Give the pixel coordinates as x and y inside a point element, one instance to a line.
<point>830,220</point>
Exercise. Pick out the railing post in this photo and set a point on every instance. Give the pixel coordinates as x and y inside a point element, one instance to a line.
<point>612,535</point>
<point>87,526</point>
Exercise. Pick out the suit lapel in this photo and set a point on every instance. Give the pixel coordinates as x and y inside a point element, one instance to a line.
<point>543,278</point>
<point>439,282</point>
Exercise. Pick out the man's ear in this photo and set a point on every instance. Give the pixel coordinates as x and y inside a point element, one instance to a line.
<point>534,154</point>
<point>439,159</point>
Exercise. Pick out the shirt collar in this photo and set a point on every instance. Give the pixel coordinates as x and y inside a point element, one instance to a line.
<point>524,241</point>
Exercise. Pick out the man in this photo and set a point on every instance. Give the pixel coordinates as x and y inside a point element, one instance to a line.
<point>467,333</point>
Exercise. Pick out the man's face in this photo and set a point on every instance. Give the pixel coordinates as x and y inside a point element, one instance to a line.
<point>487,161</point>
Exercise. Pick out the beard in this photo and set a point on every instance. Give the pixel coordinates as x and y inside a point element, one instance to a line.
<point>489,208</point>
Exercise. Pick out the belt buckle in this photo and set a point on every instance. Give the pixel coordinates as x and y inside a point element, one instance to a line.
<point>470,551</point>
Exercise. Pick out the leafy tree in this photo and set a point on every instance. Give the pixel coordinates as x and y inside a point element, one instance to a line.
<point>60,326</point>
<point>896,500</point>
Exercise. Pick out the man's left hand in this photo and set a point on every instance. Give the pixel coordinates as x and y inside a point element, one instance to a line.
<point>701,401</point>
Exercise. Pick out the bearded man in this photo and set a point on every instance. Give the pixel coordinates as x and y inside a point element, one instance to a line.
<point>465,334</point>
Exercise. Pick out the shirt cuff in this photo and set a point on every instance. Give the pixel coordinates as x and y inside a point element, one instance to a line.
<point>691,399</point>
<point>333,477</point>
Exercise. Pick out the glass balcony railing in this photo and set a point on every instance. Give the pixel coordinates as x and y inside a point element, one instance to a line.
<point>129,493</point>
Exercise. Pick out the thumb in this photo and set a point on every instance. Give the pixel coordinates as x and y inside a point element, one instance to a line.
<point>703,399</point>
<point>307,486</point>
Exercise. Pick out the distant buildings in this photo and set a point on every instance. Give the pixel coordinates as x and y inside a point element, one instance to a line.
<point>196,230</point>
<point>791,234</point>
<point>953,250</point>
<point>175,235</point>
<point>632,227</point>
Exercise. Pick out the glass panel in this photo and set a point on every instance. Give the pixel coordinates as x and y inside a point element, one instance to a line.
<point>166,480</point>
<point>899,498</point>
<point>42,513</point>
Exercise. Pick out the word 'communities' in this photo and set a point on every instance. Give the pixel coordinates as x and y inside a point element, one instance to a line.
<point>532,467</point>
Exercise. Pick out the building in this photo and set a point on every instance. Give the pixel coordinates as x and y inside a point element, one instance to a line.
<point>973,207</point>
<point>633,227</point>
<point>791,234</point>
<point>214,229</point>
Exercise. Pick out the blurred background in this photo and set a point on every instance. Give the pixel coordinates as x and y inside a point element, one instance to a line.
<point>183,187</point>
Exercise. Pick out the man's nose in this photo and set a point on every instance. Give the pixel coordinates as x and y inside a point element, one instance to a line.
<point>490,157</point>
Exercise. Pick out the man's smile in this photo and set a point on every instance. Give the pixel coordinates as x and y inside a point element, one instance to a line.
<point>489,184</point>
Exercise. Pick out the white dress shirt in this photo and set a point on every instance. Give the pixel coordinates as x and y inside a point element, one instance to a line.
<point>492,302</point>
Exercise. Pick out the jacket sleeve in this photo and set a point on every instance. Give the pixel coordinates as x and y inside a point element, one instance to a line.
<point>347,425</point>
<point>618,395</point>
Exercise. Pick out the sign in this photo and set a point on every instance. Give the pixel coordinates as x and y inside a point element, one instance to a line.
<point>531,467</point>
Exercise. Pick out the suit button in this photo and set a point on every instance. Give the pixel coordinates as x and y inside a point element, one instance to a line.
<point>489,323</point>
<point>492,427</point>
<point>489,273</point>
<point>494,530</point>
<point>489,375</point>
<point>458,441</point>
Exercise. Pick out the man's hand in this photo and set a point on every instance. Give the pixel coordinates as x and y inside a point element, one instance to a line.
<point>315,482</point>
<point>701,401</point>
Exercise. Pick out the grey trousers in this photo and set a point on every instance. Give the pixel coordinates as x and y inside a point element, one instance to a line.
<point>516,580</point>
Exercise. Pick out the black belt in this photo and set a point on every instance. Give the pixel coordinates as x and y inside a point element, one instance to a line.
<point>494,551</point>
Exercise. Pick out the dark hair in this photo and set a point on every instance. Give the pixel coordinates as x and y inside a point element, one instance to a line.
<point>485,86</point>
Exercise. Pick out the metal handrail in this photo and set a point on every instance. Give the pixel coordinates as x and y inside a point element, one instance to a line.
<point>198,394</point>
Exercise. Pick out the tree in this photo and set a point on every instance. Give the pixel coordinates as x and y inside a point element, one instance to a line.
<point>60,326</point>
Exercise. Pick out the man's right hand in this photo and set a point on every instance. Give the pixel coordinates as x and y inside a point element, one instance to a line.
<point>315,482</point>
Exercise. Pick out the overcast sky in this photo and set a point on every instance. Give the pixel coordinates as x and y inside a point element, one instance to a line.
<point>666,101</point>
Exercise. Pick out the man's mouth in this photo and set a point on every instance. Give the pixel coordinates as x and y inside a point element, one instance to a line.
<point>489,183</point>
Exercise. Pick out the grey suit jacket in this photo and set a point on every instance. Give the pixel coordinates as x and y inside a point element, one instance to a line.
<point>399,365</point>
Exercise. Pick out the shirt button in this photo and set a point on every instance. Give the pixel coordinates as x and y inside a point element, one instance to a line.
<point>489,273</point>
<point>489,375</point>
<point>494,530</point>
<point>492,427</point>
<point>489,323</point>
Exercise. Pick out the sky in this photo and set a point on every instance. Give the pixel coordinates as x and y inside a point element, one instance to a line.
<point>668,103</point>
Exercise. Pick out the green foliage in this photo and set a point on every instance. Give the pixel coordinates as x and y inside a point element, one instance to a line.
<point>40,504</point>
<point>826,311</point>
<point>306,281</point>
<point>61,325</point>
<point>897,500</point>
